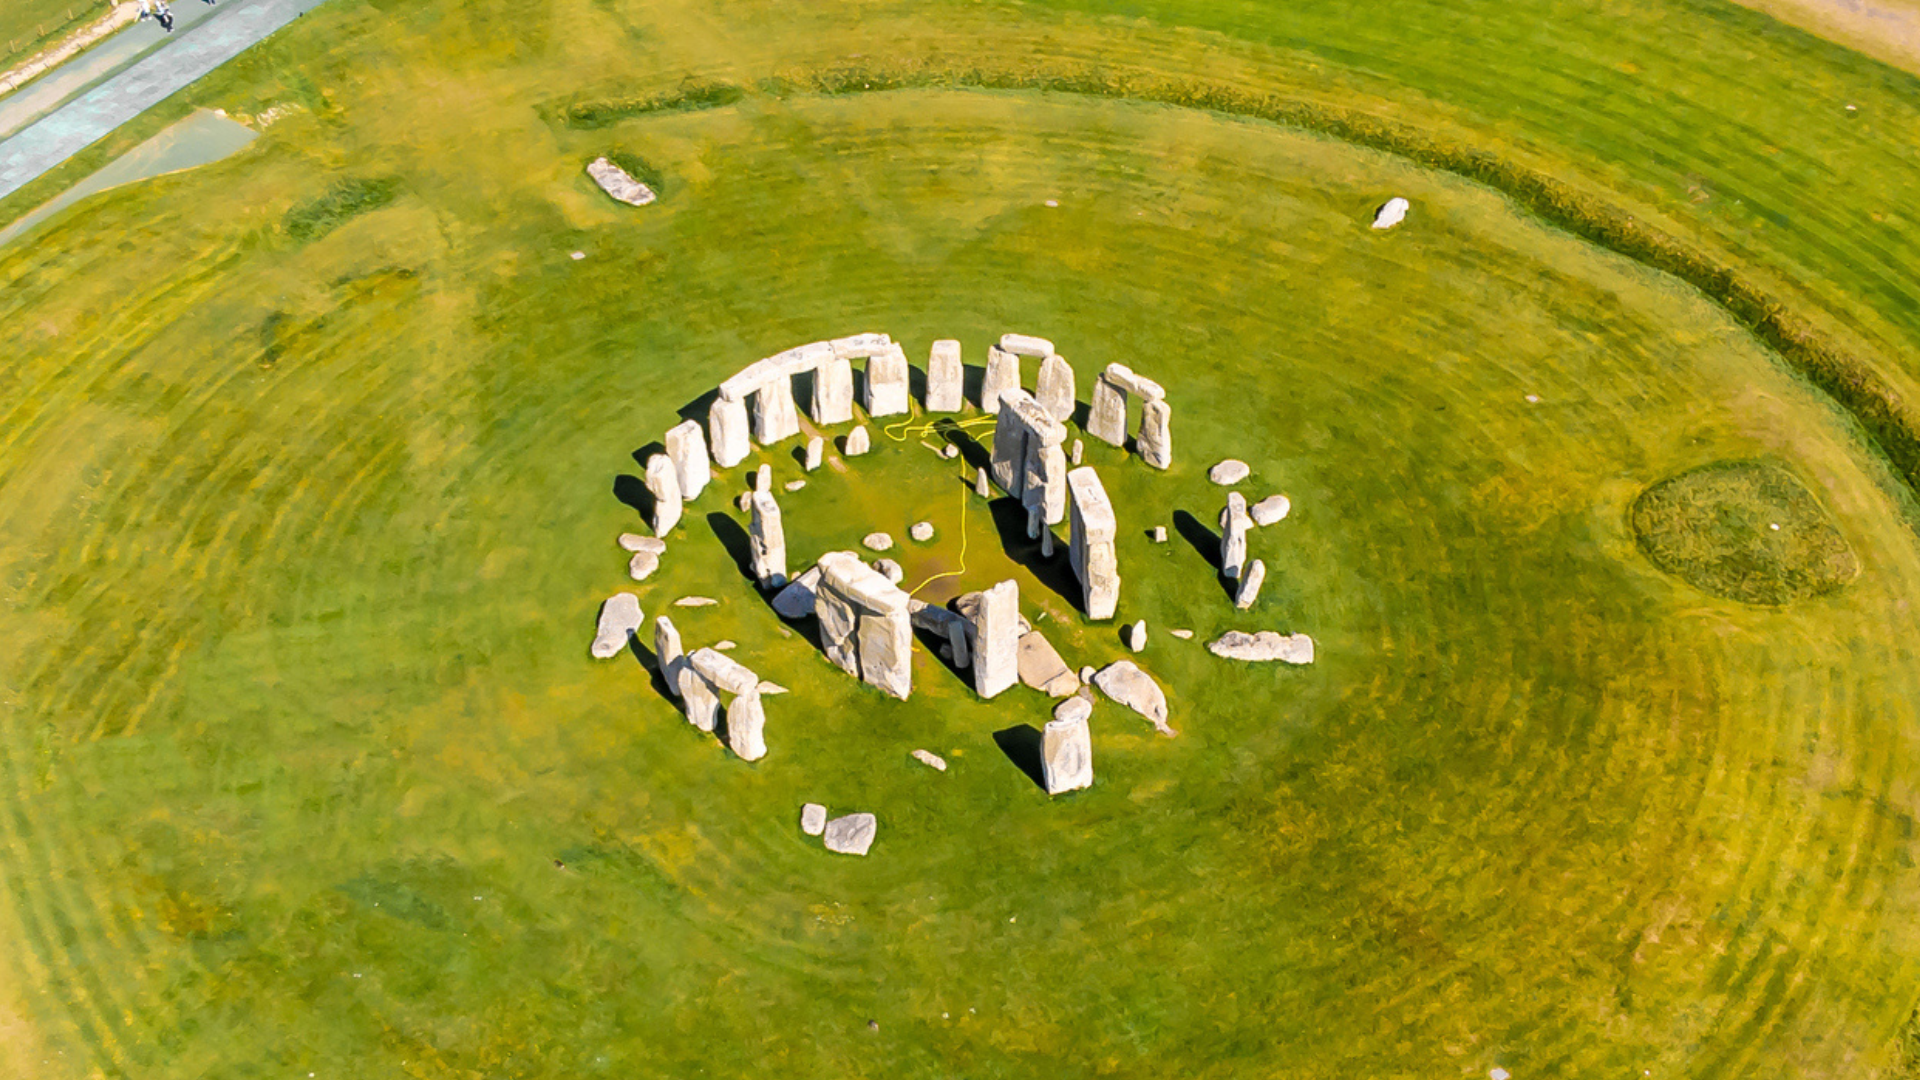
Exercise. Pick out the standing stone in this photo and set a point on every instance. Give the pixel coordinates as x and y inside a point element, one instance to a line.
<point>865,625</point>
<point>1046,483</point>
<point>620,616</point>
<point>1137,636</point>
<point>666,646</point>
<point>1003,374</point>
<point>839,622</point>
<point>763,478</point>
<point>996,639</point>
<point>886,646</point>
<point>1092,532</point>
<point>813,819</point>
<point>1156,434</point>
<point>887,393</point>
<point>1250,585</point>
<point>816,446</point>
<point>746,726</point>
<point>957,641</point>
<point>663,483</point>
<point>1075,456</point>
<point>858,441</point>
<point>774,415</point>
<point>833,392</point>
<point>1107,417</point>
<point>702,703</point>
<point>946,378</point>
<point>1046,543</point>
<point>687,446</point>
<point>1066,755</point>
<point>1234,525</point>
<point>1054,391</point>
<point>727,432</point>
<point>769,542</point>
<point>981,485</point>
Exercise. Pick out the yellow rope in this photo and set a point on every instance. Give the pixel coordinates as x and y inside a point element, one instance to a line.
<point>912,428</point>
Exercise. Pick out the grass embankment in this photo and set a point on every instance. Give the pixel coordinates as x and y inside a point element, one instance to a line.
<point>27,26</point>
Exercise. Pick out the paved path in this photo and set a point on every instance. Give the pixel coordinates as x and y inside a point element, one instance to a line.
<point>217,35</point>
<point>40,96</point>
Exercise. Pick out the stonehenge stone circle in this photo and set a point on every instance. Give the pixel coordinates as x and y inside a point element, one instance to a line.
<point>1107,414</point>
<point>833,392</point>
<point>816,447</point>
<point>946,378</point>
<point>1265,645</point>
<point>1003,374</point>
<point>1229,472</point>
<point>687,445</point>
<point>1054,390</point>
<point>663,483</point>
<point>887,393</point>
<point>813,819</point>
<point>1234,526</point>
<point>1092,535</point>
<point>768,538</point>
<point>1270,509</point>
<point>852,834</point>
<point>1027,462</point>
<point>1125,683</point>
<point>619,617</point>
<point>727,432</point>
<point>775,417</point>
<point>1249,590</point>
<point>1066,755</point>
<point>666,647</point>
<point>858,441</point>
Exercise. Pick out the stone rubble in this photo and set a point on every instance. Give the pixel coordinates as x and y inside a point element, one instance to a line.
<point>794,485</point>
<point>1042,669</point>
<point>1125,683</point>
<point>619,617</point>
<point>642,565</point>
<point>1078,707</point>
<point>636,543</point>
<point>877,541</point>
<point>1265,645</point>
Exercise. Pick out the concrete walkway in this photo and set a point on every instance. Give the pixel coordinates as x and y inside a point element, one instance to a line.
<point>217,35</point>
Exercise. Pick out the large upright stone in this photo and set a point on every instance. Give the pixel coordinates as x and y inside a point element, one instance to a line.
<point>996,639</point>
<point>666,647</point>
<point>946,377</point>
<point>1092,533</point>
<point>887,388</point>
<point>1107,416</point>
<point>1066,755</point>
<point>663,483</point>
<point>816,449</point>
<point>727,432</point>
<point>833,392</point>
<point>1046,480</point>
<point>1008,463</point>
<point>687,446</point>
<point>1156,434</point>
<point>858,442</point>
<point>774,415</point>
<point>865,623</point>
<point>768,539</point>
<point>1054,390</point>
<point>746,726</point>
<point>839,625</point>
<point>1234,526</point>
<point>1003,374</point>
<point>699,698</point>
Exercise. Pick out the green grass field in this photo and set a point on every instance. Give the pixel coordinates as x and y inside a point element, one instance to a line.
<point>308,474</point>
<point>27,24</point>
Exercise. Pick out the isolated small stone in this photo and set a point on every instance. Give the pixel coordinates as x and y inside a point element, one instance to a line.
<point>921,531</point>
<point>695,601</point>
<point>1270,509</point>
<point>1077,707</point>
<point>634,542</point>
<point>1183,635</point>
<point>794,485</point>
<point>816,448</point>
<point>858,441</point>
<point>813,819</point>
<point>1230,471</point>
<point>1159,534</point>
<point>929,758</point>
<point>642,565</point>
<point>1391,214</point>
<point>1137,636</point>
<point>619,183</point>
<point>877,541</point>
<point>852,834</point>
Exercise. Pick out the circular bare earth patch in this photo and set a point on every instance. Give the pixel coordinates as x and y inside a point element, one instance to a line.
<point>1744,530</point>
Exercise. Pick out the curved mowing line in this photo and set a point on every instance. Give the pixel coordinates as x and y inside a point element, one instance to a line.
<point>1853,382</point>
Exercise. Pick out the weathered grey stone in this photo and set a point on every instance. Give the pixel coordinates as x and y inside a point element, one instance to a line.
<point>1002,374</point>
<point>833,392</point>
<point>886,651</point>
<point>865,623</point>
<point>813,819</point>
<point>768,538</point>
<point>796,600</point>
<point>800,358</point>
<point>663,483</point>
<point>1091,534</point>
<point>723,672</point>
<point>794,485</point>
<point>1046,481</point>
<point>746,726</point>
<point>1270,509</point>
<point>859,346</point>
<point>1041,667</point>
<point>1026,345</point>
<point>1137,636</point>
<point>858,441</point>
<point>995,615</point>
<point>930,759</point>
<point>946,377</point>
<point>887,388</point>
<point>1074,457</point>
<point>743,502</point>
<point>1249,590</point>
<point>839,623</point>
<point>1054,389</point>
<point>921,531</point>
<point>877,541</point>
<point>816,449</point>
<point>695,601</point>
<point>889,569</point>
<point>1230,471</point>
<point>1078,707</point>
<point>1066,755</point>
<point>620,184</point>
<point>1046,543</point>
<point>768,689</point>
<point>619,617</point>
<point>852,834</point>
<point>1234,526</point>
<point>1125,683</point>
<point>741,384</point>
<point>775,417</point>
<point>687,446</point>
<point>763,478</point>
<point>698,697</point>
<point>642,565</point>
<point>1107,414</point>
<point>959,640</point>
<point>636,542</point>
<point>1137,385</point>
<point>727,432</point>
<point>1159,534</point>
<point>949,452</point>
<point>1086,675</point>
<point>1265,645</point>
<point>666,647</point>
<point>1156,434</point>
<point>724,644</point>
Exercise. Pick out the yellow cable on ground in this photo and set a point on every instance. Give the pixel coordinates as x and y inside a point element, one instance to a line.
<point>912,428</point>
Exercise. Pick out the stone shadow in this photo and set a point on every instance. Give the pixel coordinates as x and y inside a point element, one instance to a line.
<point>734,539</point>
<point>657,674</point>
<point>1021,743</point>
<point>971,380</point>
<point>633,491</point>
<point>641,455</point>
<point>1056,573</point>
<point>698,409</point>
<point>1204,540</point>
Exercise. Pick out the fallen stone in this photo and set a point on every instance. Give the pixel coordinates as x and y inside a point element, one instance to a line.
<point>695,601</point>
<point>1230,471</point>
<point>1137,636</point>
<point>1392,213</point>
<point>663,483</point>
<point>1183,635</point>
<point>1054,389</point>
<point>796,600</point>
<point>1270,509</point>
<point>945,377</point>
<point>1265,645</point>
<point>813,819</point>
<point>921,531</point>
<point>1249,590</point>
<point>852,834</point>
<point>858,442</point>
<point>889,569</point>
<point>619,617</point>
<point>1042,669</point>
<point>1077,707</point>
<point>642,565</point>
<point>1125,683</point>
<point>929,758</point>
<point>723,671</point>
<point>619,183</point>
<point>768,688</point>
<point>637,543</point>
<point>794,485</point>
<point>1066,755</point>
<point>687,446</point>
<point>1026,345</point>
<point>816,449</point>
<point>877,541</point>
<point>746,727</point>
<point>724,644</point>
